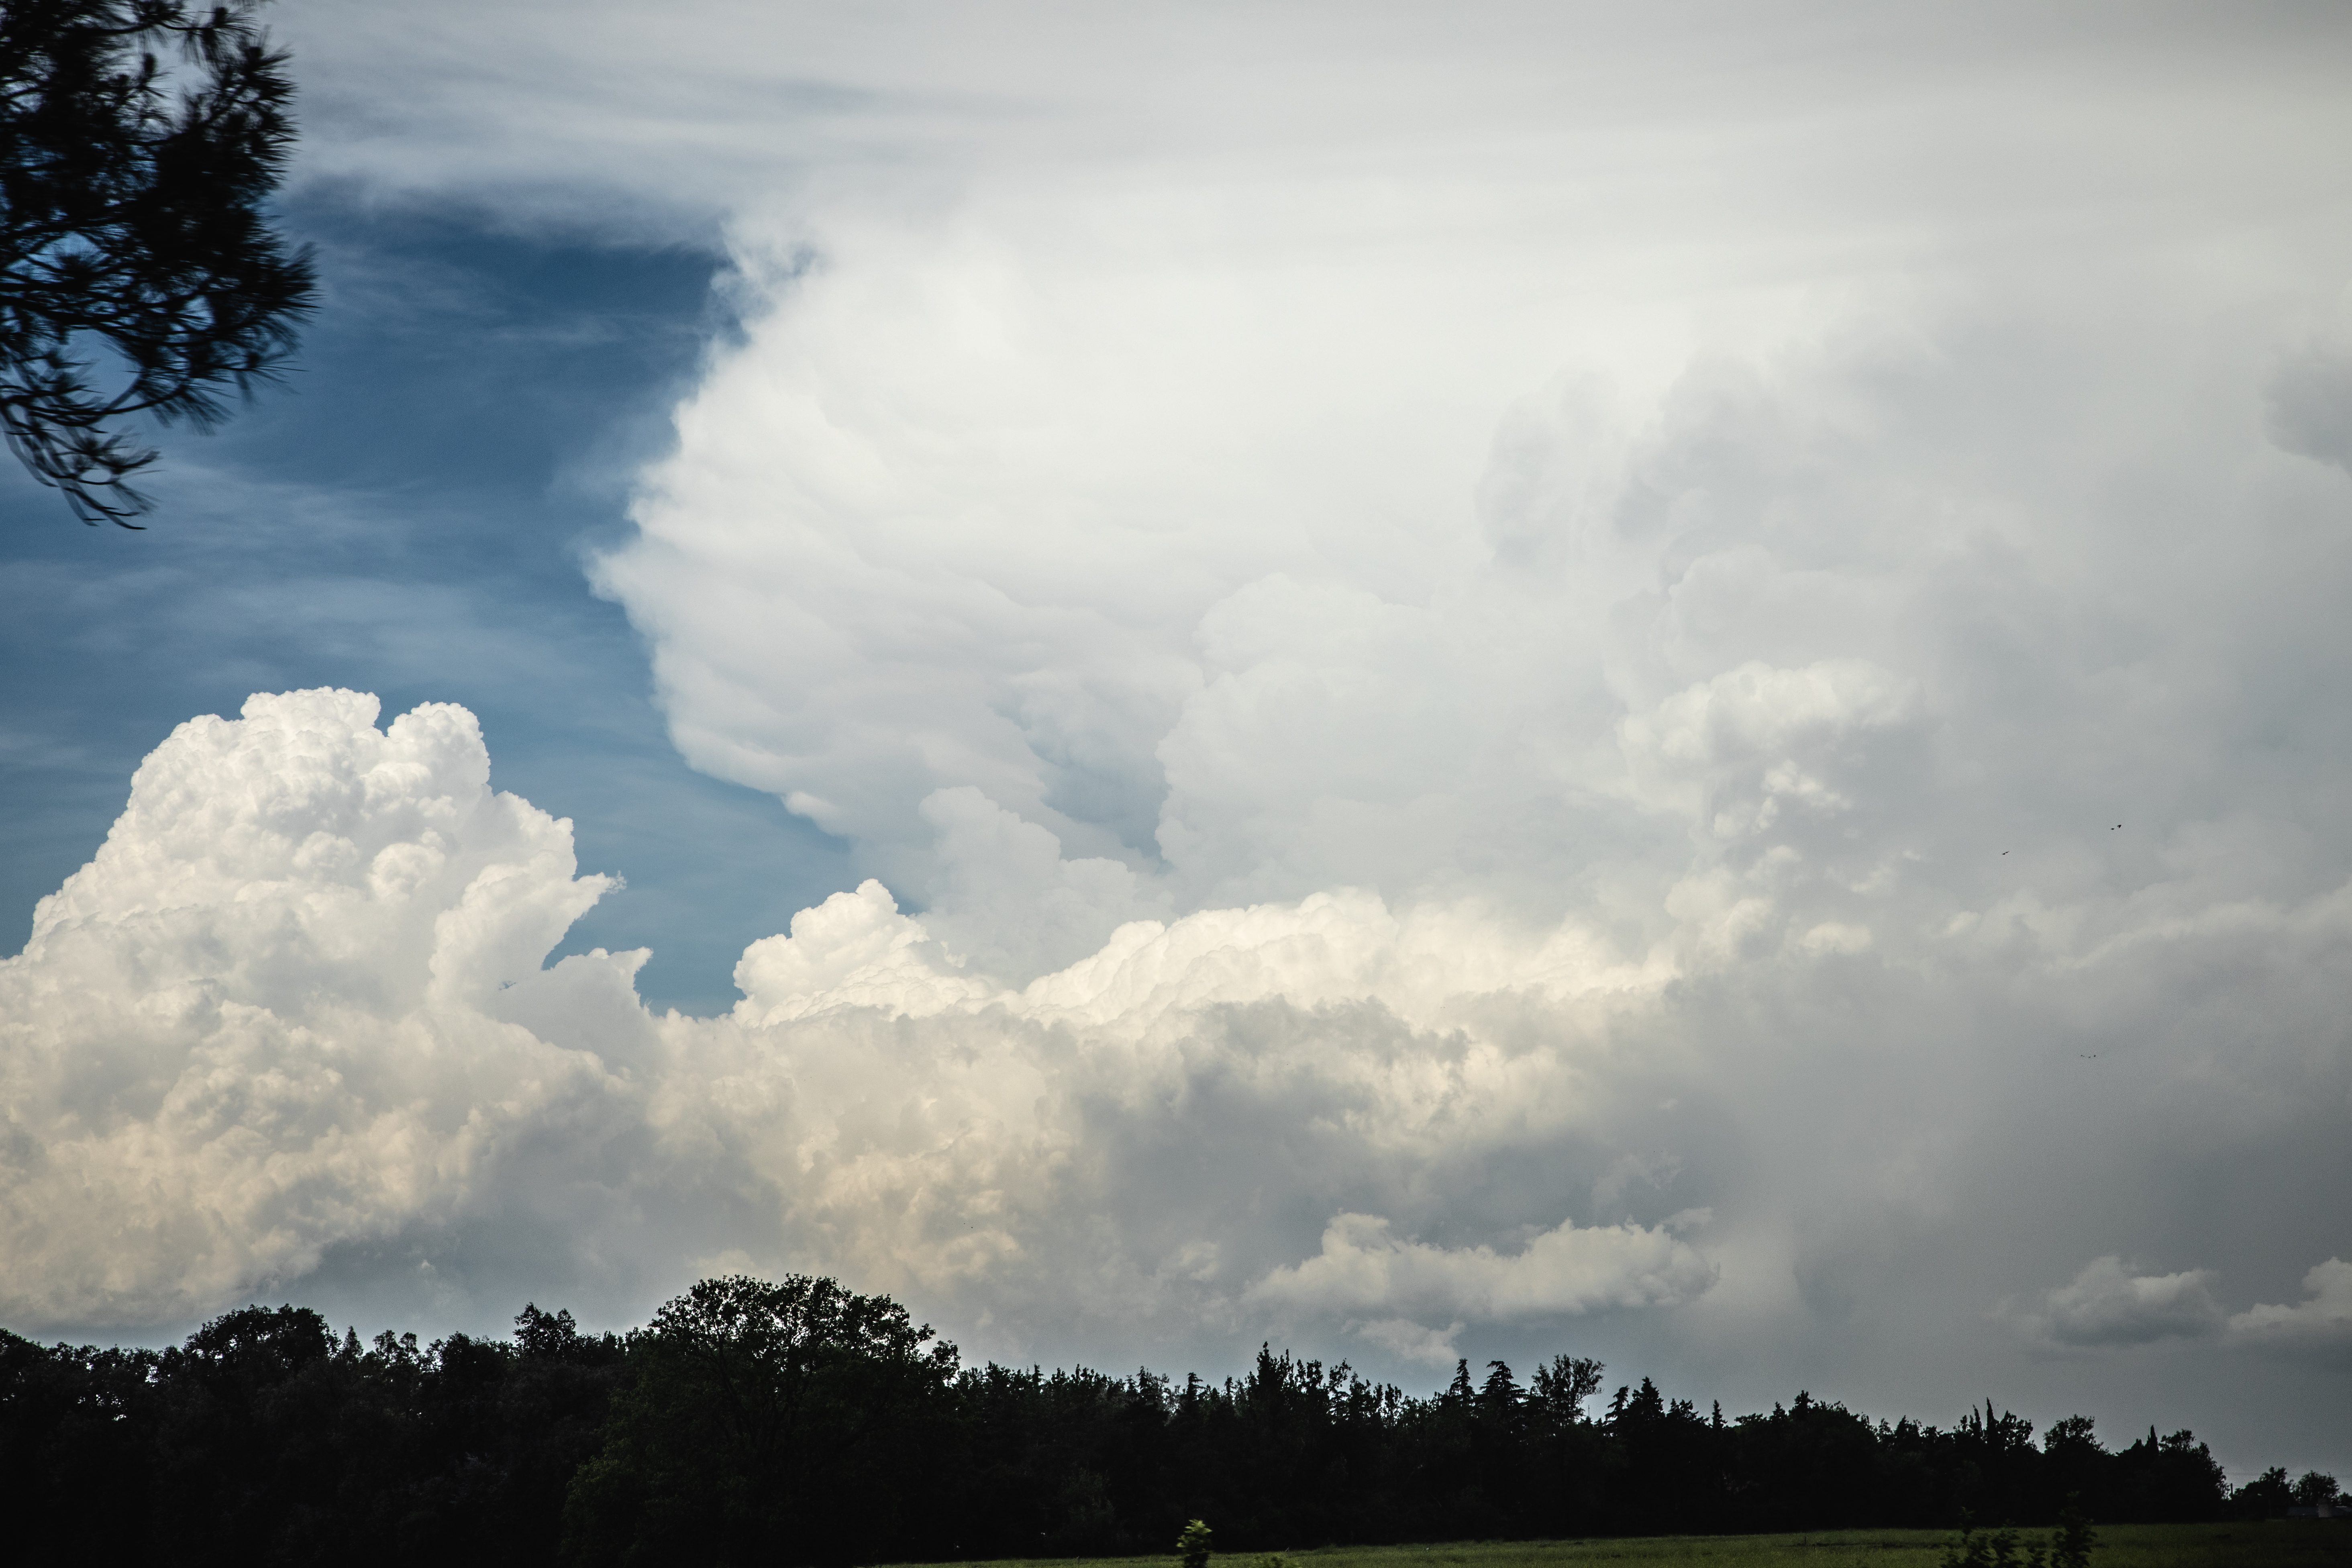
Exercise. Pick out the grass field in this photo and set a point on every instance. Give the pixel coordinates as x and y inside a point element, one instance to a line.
<point>2274,1546</point>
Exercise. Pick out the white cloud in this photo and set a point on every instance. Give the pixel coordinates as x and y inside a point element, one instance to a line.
<point>855,950</point>
<point>2107,1304</point>
<point>1308,495</point>
<point>1737,749</point>
<point>1408,1340</point>
<point>265,1018</point>
<point>2323,1323</point>
<point>296,1006</point>
<point>1778,648</point>
<point>1363,1267</point>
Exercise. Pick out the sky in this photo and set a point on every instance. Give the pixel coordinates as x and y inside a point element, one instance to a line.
<point>1663,683</point>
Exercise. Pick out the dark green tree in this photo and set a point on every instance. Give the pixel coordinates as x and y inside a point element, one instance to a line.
<point>2070,1543</point>
<point>138,272</point>
<point>2170,1479</point>
<point>1562,1386</point>
<point>765,1422</point>
<point>2266,1496</point>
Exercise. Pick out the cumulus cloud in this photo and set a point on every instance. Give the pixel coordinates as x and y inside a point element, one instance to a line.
<point>1737,750</point>
<point>265,1018</point>
<point>1408,1340</point>
<point>295,1005</point>
<point>2107,1304</point>
<point>2323,1322</point>
<point>1754,645</point>
<point>1363,1267</point>
<point>855,950</point>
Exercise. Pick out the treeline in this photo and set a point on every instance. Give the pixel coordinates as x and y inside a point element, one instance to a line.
<point>799,1422</point>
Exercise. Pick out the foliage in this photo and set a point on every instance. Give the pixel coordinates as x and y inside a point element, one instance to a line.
<point>2267,1496</point>
<point>799,1422</point>
<point>1993,1548</point>
<point>1193,1545</point>
<point>2069,1546</point>
<point>263,1439</point>
<point>131,230</point>
<point>763,1422</point>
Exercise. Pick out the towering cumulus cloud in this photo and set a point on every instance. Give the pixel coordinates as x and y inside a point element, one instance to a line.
<point>261,1021</point>
<point>297,1003</point>
<point>1764,645</point>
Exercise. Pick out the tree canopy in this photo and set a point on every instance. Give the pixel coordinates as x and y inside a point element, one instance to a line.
<point>139,273</point>
<point>763,1423</point>
<point>798,1422</point>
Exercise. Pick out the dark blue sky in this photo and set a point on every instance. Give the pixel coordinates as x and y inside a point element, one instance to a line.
<point>409,516</point>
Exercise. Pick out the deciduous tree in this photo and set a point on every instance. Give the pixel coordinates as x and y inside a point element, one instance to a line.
<point>763,1423</point>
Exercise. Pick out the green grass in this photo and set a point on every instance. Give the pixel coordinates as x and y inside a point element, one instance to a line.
<point>2273,1545</point>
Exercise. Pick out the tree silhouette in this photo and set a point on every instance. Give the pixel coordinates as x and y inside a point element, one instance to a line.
<point>750,1402</point>
<point>133,251</point>
<point>798,1422</point>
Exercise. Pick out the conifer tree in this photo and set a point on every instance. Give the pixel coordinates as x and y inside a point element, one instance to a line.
<point>138,272</point>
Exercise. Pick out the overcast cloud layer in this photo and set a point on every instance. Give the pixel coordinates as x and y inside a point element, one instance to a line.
<point>1675,689</point>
